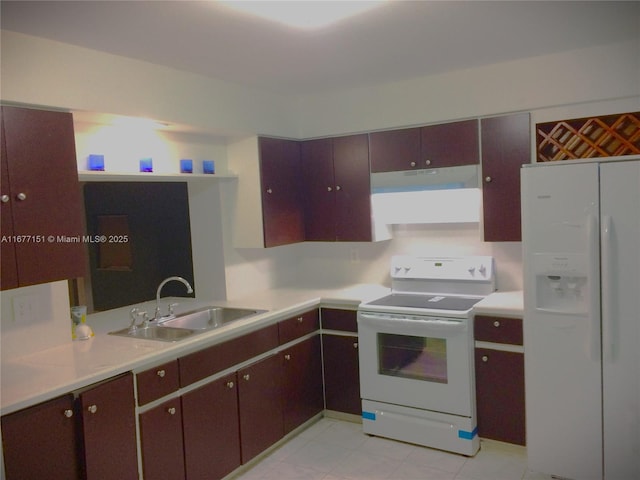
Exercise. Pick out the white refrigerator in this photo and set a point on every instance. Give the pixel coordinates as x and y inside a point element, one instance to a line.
<point>581,253</point>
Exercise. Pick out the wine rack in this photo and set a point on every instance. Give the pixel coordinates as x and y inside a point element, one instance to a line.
<point>590,137</point>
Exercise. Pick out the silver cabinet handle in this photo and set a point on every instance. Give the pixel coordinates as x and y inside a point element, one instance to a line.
<point>329,189</point>
<point>488,179</point>
<point>229,384</point>
<point>428,162</point>
<point>21,196</point>
<point>171,410</point>
<point>92,408</point>
<point>300,319</point>
<point>338,188</point>
<point>161,373</point>
<point>413,164</point>
<point>5,198</point>
<point>68,413</point>
<point>246,377</point>
<point>269,191</point>
<point>496,323</point>
<point>485,358</point>
<point>287,357</point>
<point>355,345</point>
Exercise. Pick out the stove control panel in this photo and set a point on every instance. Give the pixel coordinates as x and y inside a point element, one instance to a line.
<point>471,268</point>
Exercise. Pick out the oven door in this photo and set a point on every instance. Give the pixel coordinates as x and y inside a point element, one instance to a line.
<point>416,361</point>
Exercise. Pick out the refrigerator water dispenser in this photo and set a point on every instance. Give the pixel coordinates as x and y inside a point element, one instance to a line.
<point>561,283</point>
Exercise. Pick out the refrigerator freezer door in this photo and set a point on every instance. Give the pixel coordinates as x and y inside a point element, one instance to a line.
<point>620,229</point>
<point>560,207</point>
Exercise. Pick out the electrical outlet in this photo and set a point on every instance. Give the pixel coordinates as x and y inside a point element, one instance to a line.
<point>26,309</point>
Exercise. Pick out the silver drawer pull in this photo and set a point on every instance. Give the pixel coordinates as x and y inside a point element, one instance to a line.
<point>161,373</point>
<point>246,376</point>
<point>92,408</point>
<point>171,410</point>
<point>287,357</point>
<point>300,319</point>
<point>355,345</point>
<point>485,358</point>
<point>496,323</point>
<point>68,413</point>
<point>229,384</point>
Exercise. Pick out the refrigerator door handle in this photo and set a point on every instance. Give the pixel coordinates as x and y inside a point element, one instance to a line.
<point>607,290</point>
<point>594,287</point>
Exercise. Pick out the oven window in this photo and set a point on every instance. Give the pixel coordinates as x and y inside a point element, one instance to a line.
<point>420,358</point>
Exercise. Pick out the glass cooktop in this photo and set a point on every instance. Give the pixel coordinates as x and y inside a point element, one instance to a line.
<point>435,302</point>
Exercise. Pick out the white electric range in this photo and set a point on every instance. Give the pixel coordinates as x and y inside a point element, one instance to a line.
<point>415,352</point>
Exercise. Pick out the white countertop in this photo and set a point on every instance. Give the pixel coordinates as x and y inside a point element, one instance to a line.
<point>501,304</point>
<point>34,378</point>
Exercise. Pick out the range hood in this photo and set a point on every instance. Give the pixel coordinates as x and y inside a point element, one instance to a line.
<point>447,178</point>
<point>439,195</point>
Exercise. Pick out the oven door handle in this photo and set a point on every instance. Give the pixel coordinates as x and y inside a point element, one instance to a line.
<point>419,326</point>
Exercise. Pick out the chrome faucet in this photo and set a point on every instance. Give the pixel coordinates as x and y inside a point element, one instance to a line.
<point>134,314</point>
<point>162,284</point>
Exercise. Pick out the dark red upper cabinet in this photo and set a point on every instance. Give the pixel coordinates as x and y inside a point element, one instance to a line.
<point>282,207</point>
<point>319,182</point>
<point>450,144</point>
<point>506,146</point>
<point>395,150</point>
<point>337,189</point>
<point>353,188</point>
<point>41,201</point>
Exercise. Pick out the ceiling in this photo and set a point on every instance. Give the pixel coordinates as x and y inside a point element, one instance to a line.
<point>398,41</point>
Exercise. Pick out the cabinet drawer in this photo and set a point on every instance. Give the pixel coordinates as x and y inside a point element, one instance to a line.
<point>206,362</point>
<point>336,319</point>
<point>498,329</point>
<point>298,326</point>
<point>157,382</point>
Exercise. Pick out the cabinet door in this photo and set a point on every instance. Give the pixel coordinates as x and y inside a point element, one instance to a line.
<point>211,429</point>
<point>260,400</point>
<point>339,319</point>
<point>203,363</point>
<point>40,442</point>
<point>302,383</point>
<point>353,188</point>
<point>506,146</point>
<point>8,266</point>
<point>341,375</point>
<point>450,144</point>
<point>395,150</point>
<point>282,207</point>
<point>161,442</point>
<point>109,430</point>
<point>44,193</point>
<point>319,187</point>
<point>500,395</point>
<point>298,326</point>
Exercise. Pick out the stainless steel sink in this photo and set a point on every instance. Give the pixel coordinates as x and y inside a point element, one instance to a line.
<point>188,324</point>
<point>208,318</point>
<point>162,333</point>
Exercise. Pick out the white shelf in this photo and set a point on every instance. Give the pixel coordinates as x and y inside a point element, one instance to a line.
<point>97,176</point>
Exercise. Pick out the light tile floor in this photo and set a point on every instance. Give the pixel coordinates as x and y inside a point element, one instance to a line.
<point>337,450</point>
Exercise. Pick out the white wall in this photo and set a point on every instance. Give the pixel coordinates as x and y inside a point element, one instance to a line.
<point>575,77</point>
<point>42,72</point>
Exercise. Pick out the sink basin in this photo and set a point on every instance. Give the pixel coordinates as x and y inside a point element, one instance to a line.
<point>208,318</point>
<point>164,334</point>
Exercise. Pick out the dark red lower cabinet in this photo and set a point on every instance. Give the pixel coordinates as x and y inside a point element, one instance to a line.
<point>211,429</point>
<point>500,395</point>
<point>260,401</point>
<point>161,442</point>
